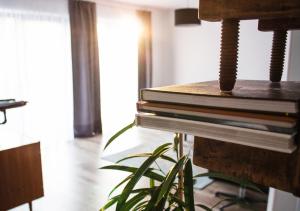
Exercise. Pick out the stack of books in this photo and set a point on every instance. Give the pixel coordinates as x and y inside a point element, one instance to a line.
<point>256,113</point>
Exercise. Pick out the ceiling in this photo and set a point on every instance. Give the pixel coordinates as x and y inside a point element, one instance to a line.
<point>167,4</point>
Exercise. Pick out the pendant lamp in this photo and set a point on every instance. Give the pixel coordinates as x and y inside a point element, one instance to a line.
<point>186,16</point>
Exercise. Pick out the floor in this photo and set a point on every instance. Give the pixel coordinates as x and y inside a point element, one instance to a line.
<point>73,181</point>
<point>207,196</point>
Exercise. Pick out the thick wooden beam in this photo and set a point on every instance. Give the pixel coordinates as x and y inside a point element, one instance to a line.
<point>279,24</point>
<point>20,176</point>
<point>264,167</point>
<point>216,10</point>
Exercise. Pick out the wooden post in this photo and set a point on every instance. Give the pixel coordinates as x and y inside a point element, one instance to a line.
<point>180,180</point>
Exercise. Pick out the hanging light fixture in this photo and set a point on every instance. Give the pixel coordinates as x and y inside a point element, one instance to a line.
<point>187,16</point>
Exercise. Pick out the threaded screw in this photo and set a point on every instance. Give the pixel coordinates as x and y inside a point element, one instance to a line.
<point>278,55</point>
<point>229,54</point>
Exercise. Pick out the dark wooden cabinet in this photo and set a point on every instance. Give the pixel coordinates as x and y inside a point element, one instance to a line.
<point>20,175</point>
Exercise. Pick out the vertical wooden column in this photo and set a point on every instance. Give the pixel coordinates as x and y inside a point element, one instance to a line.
<point>180,180</point>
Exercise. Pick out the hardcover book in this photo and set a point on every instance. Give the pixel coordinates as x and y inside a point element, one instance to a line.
<point>251,95</point>
<point>217,115</point>
<point>250,137</point>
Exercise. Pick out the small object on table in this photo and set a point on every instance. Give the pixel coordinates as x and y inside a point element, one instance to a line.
<point>9,104</point>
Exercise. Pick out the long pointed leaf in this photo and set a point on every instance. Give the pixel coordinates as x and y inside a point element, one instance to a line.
<point>118,185</point>
<point>140,172</point>
<point>135,200</point>
<point>110,203</point>
<point>149,190</point>
<point>241,182</point>
<point>161,205</point>
<point>168,182</point>
<point>179,208</point>
<point>152,183</point>
<point>114,199</point>
<point>140,205</point>
<point>189,186</point>
<point>149,173</point>
<point>151,204</point>
<point>164,157</point>
<point>120,132</point>
<point>177,200</point>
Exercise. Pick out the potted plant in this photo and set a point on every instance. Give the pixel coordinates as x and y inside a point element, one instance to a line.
<point>166,191</point>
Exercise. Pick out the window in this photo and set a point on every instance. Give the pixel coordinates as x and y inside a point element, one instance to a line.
<point>118,32</point>
<point>35,65</point>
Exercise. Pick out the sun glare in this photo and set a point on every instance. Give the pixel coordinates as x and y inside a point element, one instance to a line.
<point>118,46</point>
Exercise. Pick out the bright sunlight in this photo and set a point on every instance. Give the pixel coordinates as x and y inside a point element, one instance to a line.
<point>118,46</point>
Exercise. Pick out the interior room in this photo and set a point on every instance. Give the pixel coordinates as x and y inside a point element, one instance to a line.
<point>77,132</point>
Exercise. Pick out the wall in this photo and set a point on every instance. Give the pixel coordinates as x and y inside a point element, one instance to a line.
<point>162,48</point>
<point>294,64</point>
<point>197,52</point>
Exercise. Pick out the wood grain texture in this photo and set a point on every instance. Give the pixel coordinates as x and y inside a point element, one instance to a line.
<point>279,24</point>
<point>264,167</point>
<point>21,176</point>
<point>216,10</point>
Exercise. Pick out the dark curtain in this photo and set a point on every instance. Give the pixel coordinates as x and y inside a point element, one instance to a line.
<point>85,62</point>
<point>145,51</point>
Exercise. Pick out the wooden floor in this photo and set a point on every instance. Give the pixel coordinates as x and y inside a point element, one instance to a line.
<point>207,197</point>
<point>73,181</point>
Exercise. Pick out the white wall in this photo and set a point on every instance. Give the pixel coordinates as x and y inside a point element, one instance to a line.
<point>197,52</point>
<point>162,48</point>
<point>294,64</point>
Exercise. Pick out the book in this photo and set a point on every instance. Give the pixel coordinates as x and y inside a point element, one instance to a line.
<point>255,138</point>
<point>217,115</point>
<point>251,95</point>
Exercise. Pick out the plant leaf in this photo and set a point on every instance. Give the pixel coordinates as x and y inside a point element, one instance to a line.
<point>114,199</point>
<point>180,208</point>
<point>120,132</point>
<point>140,172</point>
<point>118,185</point>
<point>241,182</point>
<point>140,205</point>
<point>177,200</point>
<point>161,205</point>
<point>135,200</point>
<point>146,155</point>
<point>152,183</point>
<point>149,173</point>
<point>151,204</point>
<point>168,182</point>
<point>189,186</point>
<point>111,202</point>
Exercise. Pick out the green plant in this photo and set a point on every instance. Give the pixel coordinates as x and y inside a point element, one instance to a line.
<point>167,191</point>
